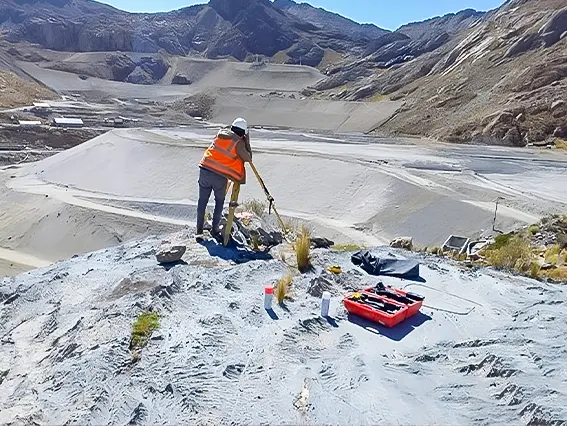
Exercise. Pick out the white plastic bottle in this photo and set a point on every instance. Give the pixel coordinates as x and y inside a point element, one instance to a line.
<point>325,304</point>
<point>268,296</point>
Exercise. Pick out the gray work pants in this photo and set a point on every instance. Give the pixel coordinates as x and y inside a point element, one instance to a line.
<point>210,182</point>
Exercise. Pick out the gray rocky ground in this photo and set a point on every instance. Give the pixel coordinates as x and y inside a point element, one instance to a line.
<point>487,348</point>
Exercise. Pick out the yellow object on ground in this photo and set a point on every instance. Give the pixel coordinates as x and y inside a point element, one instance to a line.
<point>335,269</point>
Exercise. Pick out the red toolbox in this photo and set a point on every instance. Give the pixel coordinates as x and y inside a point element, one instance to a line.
<point>413,301</point>
<point>376,308</point>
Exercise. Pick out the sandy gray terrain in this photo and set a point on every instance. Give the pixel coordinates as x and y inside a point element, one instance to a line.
<point>488,348</point>
<point>131,182</point>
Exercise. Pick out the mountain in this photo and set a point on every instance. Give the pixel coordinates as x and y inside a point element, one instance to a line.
<point>487,77</point>
<point>334,23</point>
<point>491,78</point>
<point>219,29</point>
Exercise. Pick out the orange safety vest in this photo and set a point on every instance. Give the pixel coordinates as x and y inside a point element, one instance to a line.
<point>221,157</point>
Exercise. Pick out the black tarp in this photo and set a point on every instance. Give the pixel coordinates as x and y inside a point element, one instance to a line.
<point>402,268</point>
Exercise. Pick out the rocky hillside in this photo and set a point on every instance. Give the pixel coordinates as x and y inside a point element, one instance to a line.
<point>336,24</point>
<point>221,28</point>
<point>497,77</point>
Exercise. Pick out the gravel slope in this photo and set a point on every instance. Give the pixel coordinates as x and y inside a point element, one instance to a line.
<point>489,348</point>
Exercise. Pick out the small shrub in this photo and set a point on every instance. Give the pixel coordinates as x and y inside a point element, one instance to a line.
<point>143,328</point>
<point>552,254</point>
<point>282,288</point>
<point>438,251</point>
<point>557,274</point>
<point>534,270</point>
<point>509,252</point>
<point>561,144</point>
<point>303,250</point>
<point>501,241</point>
<point>533,229</point>
<point>562,241</point>
<point>255,206</point>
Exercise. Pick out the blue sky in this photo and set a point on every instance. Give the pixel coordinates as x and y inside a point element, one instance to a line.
<point>388,14</point>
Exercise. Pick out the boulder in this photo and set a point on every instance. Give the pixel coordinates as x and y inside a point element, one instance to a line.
<point>363,92</point>
<point>320,242</point>
<point>181,79</point>
<point>552,31</point>
<point>513,137</point>
<point>402,242</point>
<point>500,125</point>
<point>527,42</point>
<point>140,76</point>
<point>558,109</point>
<point>560,132</point>
<point>170,254</point>
<point>320,284</point>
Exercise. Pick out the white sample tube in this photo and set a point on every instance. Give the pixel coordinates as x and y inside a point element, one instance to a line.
<point>268,296</point>
<point>325,304</point>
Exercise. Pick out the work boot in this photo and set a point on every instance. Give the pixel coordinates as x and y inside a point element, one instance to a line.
<point>199,237</point>
<point>217,234</point>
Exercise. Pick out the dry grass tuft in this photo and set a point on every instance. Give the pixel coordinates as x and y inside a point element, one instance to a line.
<point>437,251</point>
<point>561,144</point>
<point>347,247</point>
<point>378,97</point>
<point>143,328</point>
<point>534,270</point>
<point>255,206</point>
<point>552,254</point>
<point>557,274</point>
<point>509,252</point>
<point>282,288</point>
<point>303,250</point>
<point>292,226</point>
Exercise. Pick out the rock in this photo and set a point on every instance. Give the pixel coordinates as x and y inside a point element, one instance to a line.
<point>560,132</point>
<point>320,242</point>
<point>402,242</point>
<point>320,284</point>
<point>363,92</point>
<point>558,104</point>
<point>552,31</point>
<point>548,266</point>
<point>558,109</point>
<point>170,254</point>
<point>513,137</point>
<point>181,79</point>
<point>140,76</point>
<point>524,44</point>
<point>500,126</point>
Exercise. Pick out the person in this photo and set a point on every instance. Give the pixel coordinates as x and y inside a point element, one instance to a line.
<point>222,161</point>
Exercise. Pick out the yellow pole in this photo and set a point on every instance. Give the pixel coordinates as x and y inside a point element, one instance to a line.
<point>232,207</point>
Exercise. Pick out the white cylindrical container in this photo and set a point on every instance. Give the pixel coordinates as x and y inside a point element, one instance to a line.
<point>325,304</point>
<point>268,296</point>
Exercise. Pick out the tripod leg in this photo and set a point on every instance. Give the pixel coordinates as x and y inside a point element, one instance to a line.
<point>231,208</point>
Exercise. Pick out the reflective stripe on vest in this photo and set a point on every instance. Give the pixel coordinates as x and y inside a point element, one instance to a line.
<point>221,157</point>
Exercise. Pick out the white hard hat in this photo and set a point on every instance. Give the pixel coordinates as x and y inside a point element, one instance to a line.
<point>241,124</point>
